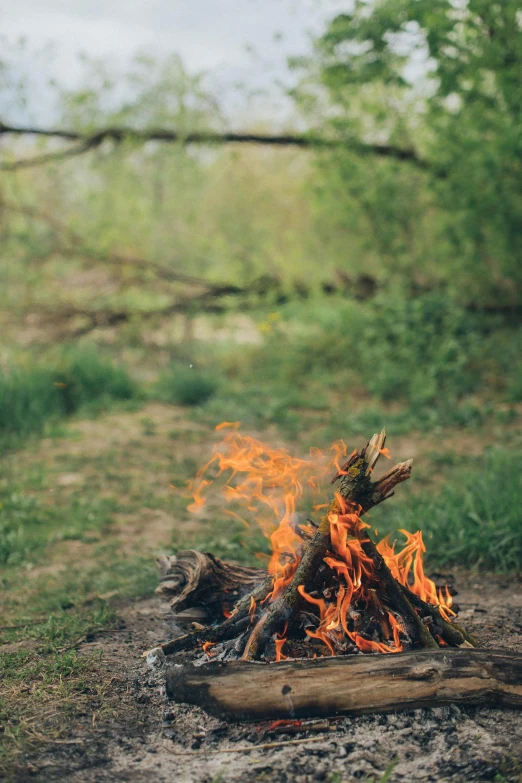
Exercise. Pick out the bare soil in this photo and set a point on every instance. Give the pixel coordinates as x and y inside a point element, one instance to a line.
<point>137,735</point>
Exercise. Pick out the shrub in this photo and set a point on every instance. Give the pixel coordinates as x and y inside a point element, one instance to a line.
<point>85,376</point>
<point>420,349</point>
<point>423,350</point>
<point>186,385</point>
<point>28,398</point>
<point>32,396</point>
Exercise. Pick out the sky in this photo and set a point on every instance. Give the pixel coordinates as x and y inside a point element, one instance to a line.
<point>236,41</point>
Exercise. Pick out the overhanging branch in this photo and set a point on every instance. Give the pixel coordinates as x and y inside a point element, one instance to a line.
<point>84,142</point>
<point>72,245</point>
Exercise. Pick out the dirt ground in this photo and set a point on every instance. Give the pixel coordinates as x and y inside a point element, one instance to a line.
<point>143,737</point>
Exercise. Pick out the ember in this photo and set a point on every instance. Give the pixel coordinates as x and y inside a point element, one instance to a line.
<point>330,590</point>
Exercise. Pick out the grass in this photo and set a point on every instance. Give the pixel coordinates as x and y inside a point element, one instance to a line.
<point>472,520</point>
<point>83,513</point>
<point>34,395</point>
<point>184,384</point>
<point>47,683</point>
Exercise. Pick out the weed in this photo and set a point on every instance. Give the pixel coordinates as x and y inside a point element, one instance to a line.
<point>185,385</point>
<point>148,426</point>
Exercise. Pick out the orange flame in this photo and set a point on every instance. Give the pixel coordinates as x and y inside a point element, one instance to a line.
<point>279,642</point>
<point>235,425</point>
<point>350,566</point>
<point>411,561</point>
<point>267,482</point>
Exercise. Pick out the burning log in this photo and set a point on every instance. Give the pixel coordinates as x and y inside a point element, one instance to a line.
<point>330,589</point>
<point>358,491</point>
<point>350,685</point>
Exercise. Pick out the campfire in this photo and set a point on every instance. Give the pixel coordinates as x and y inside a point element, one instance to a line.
<point>330,590</point>
<point>329,596</point>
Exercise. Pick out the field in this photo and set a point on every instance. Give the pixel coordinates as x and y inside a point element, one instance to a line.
<point>97,489</point>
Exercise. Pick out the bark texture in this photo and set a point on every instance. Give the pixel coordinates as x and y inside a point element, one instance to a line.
<point>352,685</point>
<point>193,578</point>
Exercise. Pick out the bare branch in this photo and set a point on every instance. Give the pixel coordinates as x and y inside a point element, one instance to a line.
<point>92,141</point>
<point>71,244</point>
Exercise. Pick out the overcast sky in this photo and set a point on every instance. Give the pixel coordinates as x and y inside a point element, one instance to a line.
<point>245,41</point>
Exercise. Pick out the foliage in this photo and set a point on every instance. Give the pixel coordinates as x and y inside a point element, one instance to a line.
<point>426,351</point>
<point>34,394</point>
<point>151,93</point>
<point>431,77</point>
<point>442,78</point>
<point>185,385</point>
<point>420,349</point>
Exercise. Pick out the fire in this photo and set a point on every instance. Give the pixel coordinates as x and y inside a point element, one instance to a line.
<point>350,563</point>
<point>267,483</point>
<point>279,642</point>
<point>410,562</point>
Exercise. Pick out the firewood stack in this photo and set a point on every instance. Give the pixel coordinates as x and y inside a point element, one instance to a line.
<point>335,593</point>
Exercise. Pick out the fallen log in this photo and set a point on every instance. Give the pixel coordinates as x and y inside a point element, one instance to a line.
<point>350,685</point>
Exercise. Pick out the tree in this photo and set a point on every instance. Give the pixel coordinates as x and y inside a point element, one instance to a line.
<point>444,76</point>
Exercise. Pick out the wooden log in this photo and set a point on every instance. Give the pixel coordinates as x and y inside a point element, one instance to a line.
<point>193,578</point>
<point>453,634</point>
<point>351,685</point>
<point>225,630</point>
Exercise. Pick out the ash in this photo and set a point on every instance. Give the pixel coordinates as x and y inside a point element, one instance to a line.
<point>441,744</point>
<point>145,738</point>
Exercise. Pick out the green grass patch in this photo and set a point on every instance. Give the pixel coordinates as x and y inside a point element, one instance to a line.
<point>184,384</point>
<point>472,519</point>
<point>28,524</point>
<point>37,395</point>
<point>46,681</point>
